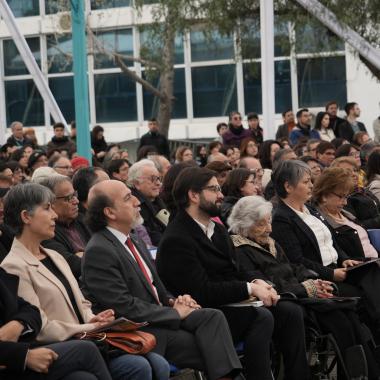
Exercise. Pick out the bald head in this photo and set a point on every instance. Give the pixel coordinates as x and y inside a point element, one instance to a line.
<point>111,203</point>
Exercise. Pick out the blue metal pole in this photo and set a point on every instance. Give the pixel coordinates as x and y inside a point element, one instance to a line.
<point>80,79</point>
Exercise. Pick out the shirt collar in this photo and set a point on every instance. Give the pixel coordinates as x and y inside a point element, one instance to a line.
<point>208,230</point>
<point>118,234</point>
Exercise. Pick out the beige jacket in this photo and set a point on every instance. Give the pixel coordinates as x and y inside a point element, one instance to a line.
<point>42,289</point>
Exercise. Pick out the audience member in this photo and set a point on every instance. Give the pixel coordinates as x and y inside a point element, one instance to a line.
<point>196,256</point>
<point>373,173</point>
<point>17,138</point>
<point>155,138</point>
<point>221,170</point>
<point>118,169</point>
<point>360,138</point>
<point>351,125</point>
<point>257,132</point>
<point>162,164</point>
<point>284,130</point>
<point>98,142</point>
<point>117,273</point>
<point>62,165</point>
<point>376,129</point>
<point>59,141</point>
<point>30,134</point>
<point>183,153</point>
<point>254,166</point>
<point>214,147</point>
<point>302,131</point>
<point>325,153</point>
<point>221,128</point>
<point>79,162</point>
<point>249,148</point>
<point>201,156</point>
<point>311,148</point>
<point>335,121</point>
<point>322,125</point>
<point>314,165</point>
<point>236,133</point>
<point>37,160</point>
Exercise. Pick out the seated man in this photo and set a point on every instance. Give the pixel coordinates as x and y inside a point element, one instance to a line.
<point>117,271</point>
<point>197,256</point>
<point>20,323</point>
<point>145,182</point>
<point>71,234</point>
<point>118,169</point>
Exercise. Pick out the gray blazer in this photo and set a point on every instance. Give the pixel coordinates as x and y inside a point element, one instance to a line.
<point>112,279</point>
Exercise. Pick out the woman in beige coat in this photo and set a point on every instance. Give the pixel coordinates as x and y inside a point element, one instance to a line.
<point>47,282</point>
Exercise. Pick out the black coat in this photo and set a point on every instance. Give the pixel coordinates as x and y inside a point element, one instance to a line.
<point>365,207</point>
<point>346,132</point>
<point>12,307</point>
<point>6,240</point>
<point>149,210</point>
<point>229,202</point>
<point>11,140</point>
<point>190,263</point>
<point>157,140</point>
<point>299,242</point>
<point>277,269</point>
<point>61,243</point>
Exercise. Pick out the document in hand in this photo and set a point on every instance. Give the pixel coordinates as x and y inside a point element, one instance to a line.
<point>364,263</point>
<point>120,324</point>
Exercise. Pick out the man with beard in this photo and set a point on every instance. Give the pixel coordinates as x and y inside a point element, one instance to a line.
<point>117,271</point>
<point>196,256</point>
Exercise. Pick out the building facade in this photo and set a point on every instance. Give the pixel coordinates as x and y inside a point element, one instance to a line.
<point>210,81</point>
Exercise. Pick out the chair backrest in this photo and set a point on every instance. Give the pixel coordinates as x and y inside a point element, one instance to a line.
<point>374,237</point>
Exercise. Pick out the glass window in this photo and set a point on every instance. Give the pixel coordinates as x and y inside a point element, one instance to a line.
<point>54,6</point>
<point>315,38</point>
<point>252,87</point>
<point>103,4</point>
<point>151,102</point>
<point>281,37</point>
<point>250,41</point>
<point>120,41</point>
<point>59,53</point>
<point>320,80</point>
<point>150,43</point>
<point>210,47</point>
<point>13,62</point>
<point>63,92</point>
<point>24,102</point>
<point>115,98</point>
<point>214,90</point>
<point>24,8</point>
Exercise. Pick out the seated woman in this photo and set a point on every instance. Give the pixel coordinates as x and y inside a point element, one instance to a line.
<point>373,173</point>
<point>330,194</point>
<point>259,255</point>
<point>20,322</point>
<point>361,202</point>
<point>306,239</point>
<point>47,282</point>
<point>239,183</point>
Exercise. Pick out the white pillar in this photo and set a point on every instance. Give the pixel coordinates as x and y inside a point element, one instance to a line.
<point>267,67</point>
<point>31,63</point>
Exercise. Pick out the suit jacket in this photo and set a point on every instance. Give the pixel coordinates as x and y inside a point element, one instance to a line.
<point>189,262</point>
<point>42,289</point>
<point>14,308</point>
<point>299,242</point>
<point>62,244</point>
<point>346,132</point>
<point>113,279</point>
<point>157,140</point>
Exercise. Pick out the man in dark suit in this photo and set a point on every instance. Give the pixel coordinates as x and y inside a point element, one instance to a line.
<point>351,125</point>
<point>196,256</point>
<point>20,323</point>
<point>117,271</point>
<point>156,139</point>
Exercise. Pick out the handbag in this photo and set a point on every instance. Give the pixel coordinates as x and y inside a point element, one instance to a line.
<point>132,342</point>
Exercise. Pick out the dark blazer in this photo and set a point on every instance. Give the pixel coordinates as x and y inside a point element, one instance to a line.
<point>189,262</point>
<point>286,276</point>
<point>157,140</point>
<point>12,307</point>
<point>6,240</point>
<point>62,244</point>
<point>345,130</point>
<point>365,207</point>
<point>11,140</point>
<point>148,212</point>
<point>299,242</point>
<point>113,280</point>
<point>282,131</point>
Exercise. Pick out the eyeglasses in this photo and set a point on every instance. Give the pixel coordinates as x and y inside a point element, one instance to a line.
<point>213,188</point>
<point>153,178</point>
<point>236,118</point>
<point>340,196</point>
<point>68,198</point>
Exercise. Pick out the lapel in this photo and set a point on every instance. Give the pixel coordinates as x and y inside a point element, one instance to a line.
<point>219,248</point>
<point>21,251</point>
<point>124,253</point>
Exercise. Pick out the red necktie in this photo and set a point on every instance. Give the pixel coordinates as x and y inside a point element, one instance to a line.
<point>141,265</point>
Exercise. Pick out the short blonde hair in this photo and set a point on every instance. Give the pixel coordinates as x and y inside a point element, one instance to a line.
<point>345,160</point>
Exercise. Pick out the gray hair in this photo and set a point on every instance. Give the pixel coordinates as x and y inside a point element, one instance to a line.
<point>24,197</point>
<point>157,162</point>
<point>290,172</point>
<point>52,181</point>
<point>247,212</point>
<point>13,124</point>
<point>135,171</point>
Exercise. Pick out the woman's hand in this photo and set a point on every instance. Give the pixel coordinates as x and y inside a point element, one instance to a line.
<point>40,359</point>
<point>350,263</point>
<point>340,274</point>
<point>324,289</point>
<point>11,331</point>
<point>103,317</point>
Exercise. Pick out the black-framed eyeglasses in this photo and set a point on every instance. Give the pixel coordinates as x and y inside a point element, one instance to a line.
<point>153,178</point>
<point>213,188</point>
<point>68,198</point>
<point>340,196</point>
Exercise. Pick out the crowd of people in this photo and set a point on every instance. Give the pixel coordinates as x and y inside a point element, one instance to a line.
<point>179,239</point>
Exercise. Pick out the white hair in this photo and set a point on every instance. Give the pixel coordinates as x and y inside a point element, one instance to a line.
<point>13,124</point>
<point>247,212</point>
<point>135,171</point>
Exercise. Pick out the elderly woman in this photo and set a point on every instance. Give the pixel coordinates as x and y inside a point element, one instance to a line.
<point>47,282</point>
<point>307,240</point>
<point>259,255</point>
<point>330,194</point>
<point>239,183</point>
